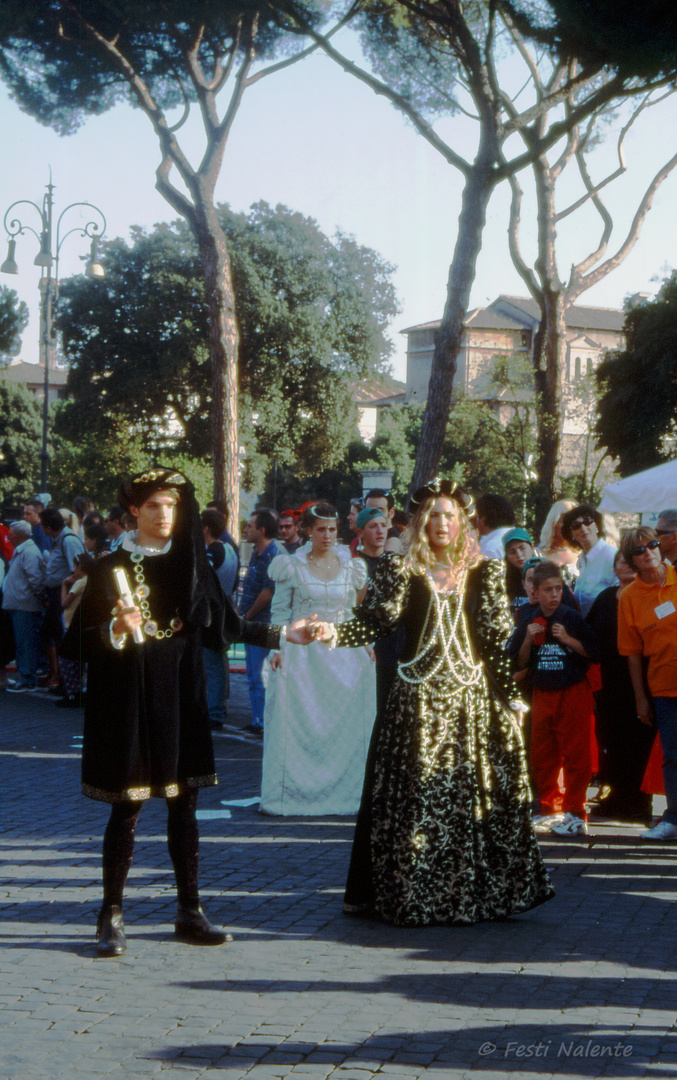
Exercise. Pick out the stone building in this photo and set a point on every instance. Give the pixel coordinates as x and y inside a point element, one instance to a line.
<point>32,377</point>
<point>507,327</point>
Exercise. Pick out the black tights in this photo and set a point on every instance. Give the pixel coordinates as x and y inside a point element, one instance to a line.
<point>182,841</point>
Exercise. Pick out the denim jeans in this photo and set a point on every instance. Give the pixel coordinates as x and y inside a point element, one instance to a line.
<point>26,626</point>
<point>665,709</point>
<point>255,657</point>
<point>217,680</point>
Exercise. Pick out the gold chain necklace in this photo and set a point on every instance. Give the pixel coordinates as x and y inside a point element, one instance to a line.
<point>141,594</point>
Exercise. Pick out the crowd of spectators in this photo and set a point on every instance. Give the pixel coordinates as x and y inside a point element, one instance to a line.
<point>593,647</point>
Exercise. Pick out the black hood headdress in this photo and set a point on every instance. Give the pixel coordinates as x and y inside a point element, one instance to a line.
<point>197,589</point>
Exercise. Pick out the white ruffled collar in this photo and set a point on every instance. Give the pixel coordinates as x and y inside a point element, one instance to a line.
<point>341,550</point>
<point>130,544</point>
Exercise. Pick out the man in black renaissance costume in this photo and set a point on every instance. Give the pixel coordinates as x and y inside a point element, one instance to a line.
<point>146,730</point>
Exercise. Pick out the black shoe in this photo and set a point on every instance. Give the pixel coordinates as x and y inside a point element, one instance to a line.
<point>254,729</point>
<point>215,725</point>
<point>193,927</point>
<point>111,932</point>
<point>71,701</point>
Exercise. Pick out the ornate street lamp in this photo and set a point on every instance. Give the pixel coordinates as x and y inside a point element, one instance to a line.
<point>50,238</point>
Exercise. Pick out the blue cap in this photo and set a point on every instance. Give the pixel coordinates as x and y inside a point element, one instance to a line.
<point>367,514</point>
<point>516,534</point>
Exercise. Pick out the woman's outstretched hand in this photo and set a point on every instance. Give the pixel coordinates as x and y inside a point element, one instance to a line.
<point>303,631</point>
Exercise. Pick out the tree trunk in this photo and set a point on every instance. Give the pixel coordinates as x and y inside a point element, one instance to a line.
<point>223,355</point>
<point>549,345</point>
<point>476,194</point>
<point>549,340</point>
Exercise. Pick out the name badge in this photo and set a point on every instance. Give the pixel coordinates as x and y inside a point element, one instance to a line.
<point>664,609</point>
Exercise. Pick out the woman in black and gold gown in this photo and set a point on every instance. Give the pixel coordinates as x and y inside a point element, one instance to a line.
<point>444,832</point>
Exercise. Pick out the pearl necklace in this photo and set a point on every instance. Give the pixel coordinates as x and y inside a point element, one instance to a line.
<point>456,651</point>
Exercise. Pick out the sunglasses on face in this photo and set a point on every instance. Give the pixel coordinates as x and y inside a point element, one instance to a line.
<point>652,545</point>
<point>580,522</point>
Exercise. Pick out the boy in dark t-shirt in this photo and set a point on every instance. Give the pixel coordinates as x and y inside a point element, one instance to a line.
<point>556,647</point>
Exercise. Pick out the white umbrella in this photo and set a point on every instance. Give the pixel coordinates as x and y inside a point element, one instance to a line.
<point>652,490</point>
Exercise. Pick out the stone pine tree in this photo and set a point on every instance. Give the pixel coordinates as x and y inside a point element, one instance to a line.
<point>63,60</point>
<point>553,294</point>
<point>445,58</point>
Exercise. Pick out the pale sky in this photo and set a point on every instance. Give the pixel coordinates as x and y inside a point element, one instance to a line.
<point>318,141</point>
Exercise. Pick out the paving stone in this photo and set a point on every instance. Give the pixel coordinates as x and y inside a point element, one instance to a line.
<point>304,992</point>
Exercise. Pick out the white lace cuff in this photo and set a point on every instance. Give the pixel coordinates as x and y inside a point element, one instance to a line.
<point>283,639</point>
<point>331,644</point>
<point>116,640</point>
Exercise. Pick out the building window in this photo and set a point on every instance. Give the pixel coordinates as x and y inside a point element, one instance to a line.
<point>589,365</point>
<point>577,371</point>
<point>568,370</point>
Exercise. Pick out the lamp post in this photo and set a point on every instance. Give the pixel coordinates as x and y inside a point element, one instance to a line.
<point>50,236</point>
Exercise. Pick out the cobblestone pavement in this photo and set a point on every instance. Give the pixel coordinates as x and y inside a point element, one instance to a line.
<point>583,986</point>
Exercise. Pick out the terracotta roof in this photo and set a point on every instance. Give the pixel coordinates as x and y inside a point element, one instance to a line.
<point>370,391</point>
<point>20,372</point>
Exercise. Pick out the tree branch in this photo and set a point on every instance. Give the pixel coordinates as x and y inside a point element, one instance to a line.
<point>523,270</point>
<point>592,189</point>
<point>272,68</point>
<point>168,144</point>
<point>382,89</point>
<point>523,50</point>
<point>586,281</point>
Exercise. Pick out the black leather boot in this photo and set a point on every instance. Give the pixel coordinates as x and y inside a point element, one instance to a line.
<point>110,930</point>
<point>193,927</point>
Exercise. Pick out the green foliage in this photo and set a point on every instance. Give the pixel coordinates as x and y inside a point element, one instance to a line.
<point>636,40</point>
<point>638,402</point>
<point>20,440</point>
<point>312,313</point>
<point>136,343</point>
<point>13,321</point>
<point>285,489</point>
<point>43,43</point>
<point>93,463</point>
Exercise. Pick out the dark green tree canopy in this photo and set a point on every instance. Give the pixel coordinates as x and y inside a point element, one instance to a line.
<point>43,41</point>
<point>20,429</point>
<point>13,321</point>
<point>313,313</point>
<point>633,39</point>
<point>638,402</point>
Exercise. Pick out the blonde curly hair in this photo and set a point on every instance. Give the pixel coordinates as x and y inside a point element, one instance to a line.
<point>464,550</point>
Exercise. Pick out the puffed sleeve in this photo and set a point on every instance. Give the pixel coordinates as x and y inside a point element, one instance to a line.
<point>382,607</point>
<point>359,573</point>
<point>491,625</point>
<point>282,572</point>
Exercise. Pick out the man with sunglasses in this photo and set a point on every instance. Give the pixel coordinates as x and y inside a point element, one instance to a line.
<point>647,628</point>
<point>666,531</point>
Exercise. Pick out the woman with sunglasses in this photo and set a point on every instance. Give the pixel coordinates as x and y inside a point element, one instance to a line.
<point>647,627</point>
<point>583,528</point>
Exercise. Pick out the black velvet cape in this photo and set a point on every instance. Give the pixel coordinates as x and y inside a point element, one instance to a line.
<point>146,730</point>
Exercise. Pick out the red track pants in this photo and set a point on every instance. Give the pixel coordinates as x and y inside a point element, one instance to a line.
<point>561,725</point>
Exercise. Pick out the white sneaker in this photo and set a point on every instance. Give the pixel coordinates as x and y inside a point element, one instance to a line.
<point>572,826</point>
<point>544,822</point>
<point>665,830</point>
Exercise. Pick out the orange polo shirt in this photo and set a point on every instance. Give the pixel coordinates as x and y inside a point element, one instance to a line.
<point>644,631</point>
